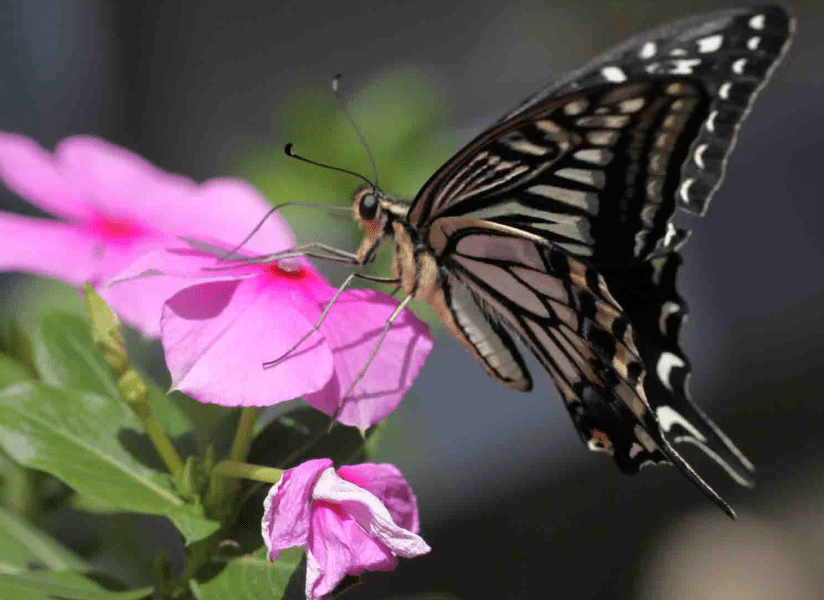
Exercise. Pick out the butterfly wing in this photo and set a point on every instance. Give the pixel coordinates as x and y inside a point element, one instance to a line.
<point>563,310</point>
<point>599,161</point>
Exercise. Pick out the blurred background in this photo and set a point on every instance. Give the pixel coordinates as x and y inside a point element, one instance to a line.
<point>512,503</point>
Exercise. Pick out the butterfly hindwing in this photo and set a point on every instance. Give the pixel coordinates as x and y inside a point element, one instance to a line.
<point>647,292</point>
<point>563,310</point>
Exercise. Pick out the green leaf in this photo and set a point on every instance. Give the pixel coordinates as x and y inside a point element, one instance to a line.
<point>253,577</point>
<point>13,371</point>
<point>83,438</point>
<point>72,586</point>
<point>22,545</point>
<point>66,356</point>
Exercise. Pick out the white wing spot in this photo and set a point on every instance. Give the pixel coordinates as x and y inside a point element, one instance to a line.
<point>631,106</point>
<point>614,74</point>
<point>724,90</point>
<point>666,362</point>
<point>597,156</point>
<point>667,309</point>
<point>753,42</point>
<point>738,66</point>
<point>576,107</point>
<point>652,67</point>
<point>635,449</point>
<point>711,121</point>
<point>684,66</point>
<point>710,44</point>
<point>668,416</point>
<point>678,52</point>
<point>699,155</point>
<point>683,191</point>
<point>671,232</point>
<point>757,22</point>
<point>648,50</point>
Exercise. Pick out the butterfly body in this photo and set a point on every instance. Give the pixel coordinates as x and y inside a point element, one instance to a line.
<point>554,227</point>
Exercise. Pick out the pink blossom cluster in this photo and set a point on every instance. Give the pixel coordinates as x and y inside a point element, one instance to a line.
<point>152,243</point>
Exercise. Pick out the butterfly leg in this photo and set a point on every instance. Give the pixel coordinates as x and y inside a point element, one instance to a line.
<point>382,337</point>
<point>272,363</point>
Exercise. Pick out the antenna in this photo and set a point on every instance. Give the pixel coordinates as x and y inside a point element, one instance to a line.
<point>345,108</point>
<point>290,153</point>
<point>273,210</point>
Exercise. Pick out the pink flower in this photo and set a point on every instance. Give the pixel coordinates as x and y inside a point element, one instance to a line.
<point>359,519</point>
<point>219,330</point>
<point>113,206</point>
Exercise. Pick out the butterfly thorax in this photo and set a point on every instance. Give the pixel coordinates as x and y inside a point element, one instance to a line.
<point>382,216</point>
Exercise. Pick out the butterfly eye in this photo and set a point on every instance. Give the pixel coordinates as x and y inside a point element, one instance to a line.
<point>368,207</point>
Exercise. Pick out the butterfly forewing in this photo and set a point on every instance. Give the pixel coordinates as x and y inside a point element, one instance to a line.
<point>598,163</point>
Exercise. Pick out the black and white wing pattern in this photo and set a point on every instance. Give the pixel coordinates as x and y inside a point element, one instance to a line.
<point>609,364</point>
<point>598,162</point>
<point>554,225</point>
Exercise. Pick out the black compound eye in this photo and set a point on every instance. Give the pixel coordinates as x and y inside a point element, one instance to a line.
<point>368,206</point>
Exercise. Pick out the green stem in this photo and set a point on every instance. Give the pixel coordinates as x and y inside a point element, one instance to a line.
<point>222,489</point>
<point>164,446</point>
<point>243,436</point>
<point>230,468</point>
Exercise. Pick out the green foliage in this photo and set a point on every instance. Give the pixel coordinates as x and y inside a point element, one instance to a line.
<point>253,577</point>
<point>84,439</point>
<point>42,585</point>
<point>23,546</point>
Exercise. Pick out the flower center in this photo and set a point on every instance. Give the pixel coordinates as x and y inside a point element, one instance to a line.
<point>286,269</point>
<point>114,229</point>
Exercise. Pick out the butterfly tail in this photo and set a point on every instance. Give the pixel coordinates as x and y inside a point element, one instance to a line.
<point>648,294</point>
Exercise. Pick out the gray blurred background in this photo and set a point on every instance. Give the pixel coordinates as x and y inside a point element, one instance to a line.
<point>512,503</point>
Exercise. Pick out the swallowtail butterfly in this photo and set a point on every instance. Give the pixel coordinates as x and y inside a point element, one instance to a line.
<point>554,227</point>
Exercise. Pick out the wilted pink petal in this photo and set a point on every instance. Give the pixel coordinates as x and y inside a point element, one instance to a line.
<point>386,482</point>
<point>338,546</point>
<point>350,530</point>
<point>286,509</point>
<point>117,206</point>
<point>353,328</point>
<point>367,509</point>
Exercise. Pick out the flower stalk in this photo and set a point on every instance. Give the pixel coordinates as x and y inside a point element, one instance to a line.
<point>107,333</point>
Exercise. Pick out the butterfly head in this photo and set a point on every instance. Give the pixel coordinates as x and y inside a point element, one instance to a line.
<point>372,218</point>
<point>375,212</point>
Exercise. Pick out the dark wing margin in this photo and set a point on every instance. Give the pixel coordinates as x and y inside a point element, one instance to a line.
<point>647,292</point>
<point>731,53</point>
<point>564,312</point>
<point>598,162</point>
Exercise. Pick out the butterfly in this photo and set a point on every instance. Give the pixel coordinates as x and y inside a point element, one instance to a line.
<point>554,227</point>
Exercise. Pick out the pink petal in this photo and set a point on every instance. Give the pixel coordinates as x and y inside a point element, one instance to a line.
<point>229,210</point>
<point>218,335</point>
<point>338,546</point>
<point>286,509</point>
<point>370,513</point>
<point>139,292</point>
<point>352,329</point>
<point>33,173</point>
<point>62,250</point>
<point>386,482</point>
<point>121,184</point>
